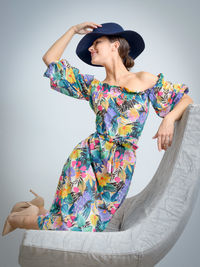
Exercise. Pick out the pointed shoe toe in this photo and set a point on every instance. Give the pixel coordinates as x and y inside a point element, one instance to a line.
<point>16,219</point>
<point>7,227</point>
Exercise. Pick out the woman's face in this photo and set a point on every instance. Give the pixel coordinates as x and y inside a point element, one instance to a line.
<point>102,50</point>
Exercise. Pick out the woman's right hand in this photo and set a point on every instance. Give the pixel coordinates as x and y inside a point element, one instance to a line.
<point>82,27</point>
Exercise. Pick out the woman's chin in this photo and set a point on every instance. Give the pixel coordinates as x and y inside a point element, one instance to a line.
<point>95,62</point>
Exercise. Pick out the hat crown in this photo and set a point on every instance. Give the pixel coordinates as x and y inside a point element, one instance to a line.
<point>109,28</point>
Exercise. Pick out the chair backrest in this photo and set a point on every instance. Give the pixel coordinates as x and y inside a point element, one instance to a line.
<point>159,213</point>
<point>178,174</point>
<point>169,173</point>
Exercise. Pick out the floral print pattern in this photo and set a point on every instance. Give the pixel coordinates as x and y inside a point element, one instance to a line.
<point>96,177</point>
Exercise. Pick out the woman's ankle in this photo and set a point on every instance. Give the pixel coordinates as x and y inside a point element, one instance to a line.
<point>42,211</point>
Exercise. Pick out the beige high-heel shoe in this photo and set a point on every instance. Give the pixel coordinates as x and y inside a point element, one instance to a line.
<point>38,201</point>
<point>8,227</point>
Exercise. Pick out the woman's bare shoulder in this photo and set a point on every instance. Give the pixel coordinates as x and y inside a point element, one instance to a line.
<point>147,78</point>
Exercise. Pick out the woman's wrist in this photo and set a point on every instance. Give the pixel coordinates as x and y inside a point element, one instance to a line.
<point>72,29</point>
<point>170,117</point>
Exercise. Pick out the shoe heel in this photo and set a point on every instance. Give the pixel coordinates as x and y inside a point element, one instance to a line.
<point>34,193</point>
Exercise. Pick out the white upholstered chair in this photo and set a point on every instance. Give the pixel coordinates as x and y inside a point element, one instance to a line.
<point>145,227</point>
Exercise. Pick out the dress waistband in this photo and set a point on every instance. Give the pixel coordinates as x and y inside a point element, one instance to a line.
<point>117,141</point>
<point>120,140</point>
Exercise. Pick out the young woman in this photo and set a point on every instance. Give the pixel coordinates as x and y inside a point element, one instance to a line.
<point>95,178</point>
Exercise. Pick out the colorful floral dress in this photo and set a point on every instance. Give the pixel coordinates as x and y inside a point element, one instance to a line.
<point>96,177</point>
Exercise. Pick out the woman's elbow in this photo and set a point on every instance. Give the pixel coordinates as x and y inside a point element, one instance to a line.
<point>47,61</point>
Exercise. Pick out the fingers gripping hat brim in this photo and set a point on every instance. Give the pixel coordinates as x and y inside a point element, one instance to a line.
<point>134,39</point>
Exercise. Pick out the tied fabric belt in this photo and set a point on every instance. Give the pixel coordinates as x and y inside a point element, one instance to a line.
<point>117,141</point>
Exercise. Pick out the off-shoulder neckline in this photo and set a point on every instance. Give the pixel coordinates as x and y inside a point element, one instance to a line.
<point>127,90</point>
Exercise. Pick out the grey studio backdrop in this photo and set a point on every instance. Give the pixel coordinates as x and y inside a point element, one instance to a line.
<point>40,127</point>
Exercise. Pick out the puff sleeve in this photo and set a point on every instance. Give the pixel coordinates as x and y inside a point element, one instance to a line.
<point>68,80</point>
<point>164,95</point>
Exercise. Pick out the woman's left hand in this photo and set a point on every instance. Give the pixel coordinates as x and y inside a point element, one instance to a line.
<point>165,133</point>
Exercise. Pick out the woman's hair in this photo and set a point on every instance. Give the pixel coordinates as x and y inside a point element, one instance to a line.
<point>124,49</point>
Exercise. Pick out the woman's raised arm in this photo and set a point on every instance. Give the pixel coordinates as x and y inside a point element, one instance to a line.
<point>55,52</point>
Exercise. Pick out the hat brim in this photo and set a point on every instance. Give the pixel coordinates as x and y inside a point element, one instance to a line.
<point>134,39</point>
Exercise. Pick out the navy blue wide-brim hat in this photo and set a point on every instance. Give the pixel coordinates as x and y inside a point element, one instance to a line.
<point>134,39</point>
